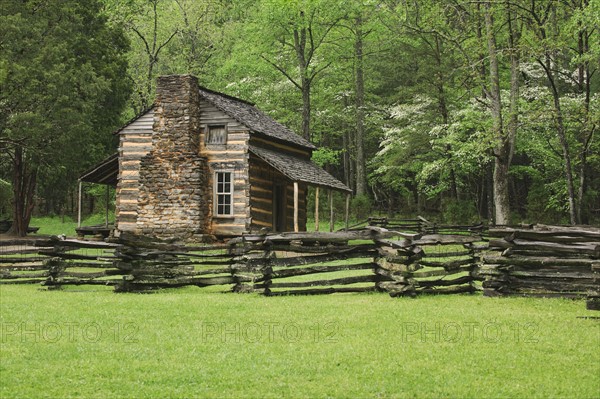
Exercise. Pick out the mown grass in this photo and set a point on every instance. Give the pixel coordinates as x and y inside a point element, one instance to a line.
<point>197,343</point>
<point>57,225</point>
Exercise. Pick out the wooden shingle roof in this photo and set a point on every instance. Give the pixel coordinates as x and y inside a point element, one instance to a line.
<point>299,169</point>
<point>253,118</point>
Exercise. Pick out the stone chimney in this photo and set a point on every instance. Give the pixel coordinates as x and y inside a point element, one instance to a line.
<point>174,187</point>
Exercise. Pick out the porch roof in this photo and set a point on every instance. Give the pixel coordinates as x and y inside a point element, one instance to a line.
<point>298,169</point>
<point>105,172</point>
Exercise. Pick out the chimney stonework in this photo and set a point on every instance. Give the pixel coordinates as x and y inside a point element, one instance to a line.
<point>175,197</point>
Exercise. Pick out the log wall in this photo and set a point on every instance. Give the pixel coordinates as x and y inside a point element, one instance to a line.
<point>233,157</point>
<point>263,180</point>
<point>135,141</point>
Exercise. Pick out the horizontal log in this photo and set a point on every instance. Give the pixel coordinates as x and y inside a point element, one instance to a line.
<point>443,239</point>
<point>25,241</point>
<point>434,273</point>
<point>173,272</point>
<point>89,244</point>
<point>63,255</point>
<point>549,285</point>
<point>318,269</point>
<point>550,237</point>
<point>365,234</point>
<point>450,254</point>
<point>321,291</point>
<point>11,276</point>
<point>584,248</point>
<point>448,265</point>
<point>478,246</point>
<point>92,275</point>
<point>556,275</point>
<point>336,281</point>
<point>90,265</point>
<point>445,283</point>
<point>222,270</point>
<point>80,281</point>
<point>181,281</point>
<point>309,260</point>
<point>21,250</point>
<point>532,293</point>
<point>548,231</point>
<point>404,245</point>
<point>461,289</point>
<point>23,281</point>
<point>539,261</point>
<point>29,259</point>
<point>24,268</point>
<point>321,249</point>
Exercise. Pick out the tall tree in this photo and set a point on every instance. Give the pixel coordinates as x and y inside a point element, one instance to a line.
<point>293,36</point>
<point>504,131</point>
<point>62,90</point>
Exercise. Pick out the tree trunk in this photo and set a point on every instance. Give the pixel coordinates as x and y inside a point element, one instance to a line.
<point>300,47</point>
<point>562,137</point>
<point>24,183</point>
<point>502,158</point>
<point>584,84</point>
<point>361,174</point>
<point>306,108</point>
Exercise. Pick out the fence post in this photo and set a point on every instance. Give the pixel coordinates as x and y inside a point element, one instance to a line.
<point>251,267</point>
<point>56,267</point>
<point>395,265</point>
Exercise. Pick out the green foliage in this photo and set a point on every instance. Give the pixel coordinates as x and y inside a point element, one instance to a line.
<point>361,207</point>
<point>459,212</point>
<point>5,199</point>
<point>63,90</point>
<point>428,129</point>
<point>326,156</point>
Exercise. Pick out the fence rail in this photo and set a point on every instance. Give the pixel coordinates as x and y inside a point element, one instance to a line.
<point>54,262</point>
<point>534,261</point>
<point>370,259</point>
<point>549,261</point>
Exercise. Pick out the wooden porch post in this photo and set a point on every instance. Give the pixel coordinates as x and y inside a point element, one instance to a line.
<point>347,210</point>
<point>79,206</point>
<point>107,197</point>
<point>317,209</point>
<point>331,221</point>
<point>296,227</point>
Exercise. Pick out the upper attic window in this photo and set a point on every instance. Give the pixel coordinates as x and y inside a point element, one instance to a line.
<point>216,134</point>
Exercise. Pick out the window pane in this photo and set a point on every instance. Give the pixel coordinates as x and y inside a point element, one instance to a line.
<point>216,135</point>
<point>223,194</point>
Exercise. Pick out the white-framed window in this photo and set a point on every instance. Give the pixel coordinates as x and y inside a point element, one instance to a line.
<point>223,202</point>
<point>216,134</point>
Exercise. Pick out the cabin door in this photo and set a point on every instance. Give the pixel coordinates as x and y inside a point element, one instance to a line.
<point>279,207</point>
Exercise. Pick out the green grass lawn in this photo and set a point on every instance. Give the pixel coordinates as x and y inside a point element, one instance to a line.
<point>201,343</point>
<point>56,225</point>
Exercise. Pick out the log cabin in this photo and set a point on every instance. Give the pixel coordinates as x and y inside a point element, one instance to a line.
<point>200,162</point>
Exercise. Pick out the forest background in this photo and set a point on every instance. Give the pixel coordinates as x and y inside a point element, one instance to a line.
<point>458,110</point>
